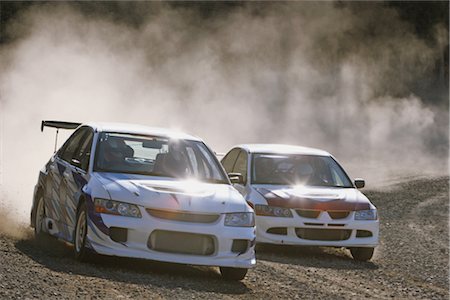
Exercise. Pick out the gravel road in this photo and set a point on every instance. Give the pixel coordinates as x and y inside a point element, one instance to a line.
<point>411,262</point>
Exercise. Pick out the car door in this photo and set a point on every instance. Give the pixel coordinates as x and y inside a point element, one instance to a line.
<point>72,177</point>
<point>75,178</point>
<point>54,181</point>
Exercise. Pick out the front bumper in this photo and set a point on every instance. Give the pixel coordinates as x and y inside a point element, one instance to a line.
<point>323,223</point>
<point>140,229</point>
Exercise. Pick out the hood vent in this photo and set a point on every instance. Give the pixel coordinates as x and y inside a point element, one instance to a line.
<point>164,189</point>
<point>190,191</point>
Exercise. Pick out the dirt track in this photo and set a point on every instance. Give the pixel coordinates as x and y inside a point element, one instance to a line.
<point>411,262</point>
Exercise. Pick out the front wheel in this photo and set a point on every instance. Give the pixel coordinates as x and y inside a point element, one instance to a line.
<point>362,254</point>
<point>39,220</point>
<point>233,273</point>
<point>80,250</point>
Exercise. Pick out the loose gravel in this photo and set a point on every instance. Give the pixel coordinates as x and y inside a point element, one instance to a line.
<point>411,262</point>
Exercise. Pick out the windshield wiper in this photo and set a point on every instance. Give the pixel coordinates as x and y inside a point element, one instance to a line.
<point>334,186</point>
<point>131,172</point>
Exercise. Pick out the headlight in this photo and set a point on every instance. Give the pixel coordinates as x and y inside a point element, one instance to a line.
<point>112,207</point>
<point>246,219</point>
<point>370,214</point>
<point>272,211</point>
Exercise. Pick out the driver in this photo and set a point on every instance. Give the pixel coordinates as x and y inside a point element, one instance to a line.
<point>264,168</point>
<point>304,172</point>
<point>113,154</point>
<point>175,161</point>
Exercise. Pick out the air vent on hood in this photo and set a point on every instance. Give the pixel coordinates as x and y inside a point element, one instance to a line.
<point>164,189</point>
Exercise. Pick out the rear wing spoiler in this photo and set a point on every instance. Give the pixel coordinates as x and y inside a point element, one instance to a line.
<point>58,125</point>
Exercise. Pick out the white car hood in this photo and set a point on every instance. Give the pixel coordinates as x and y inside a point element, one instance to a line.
<point>323,198</point>
<point>172,194</point>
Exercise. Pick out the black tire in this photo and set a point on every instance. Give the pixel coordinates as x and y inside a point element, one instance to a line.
<point>40,233</point>
<point>233,273</point>
<point>79,236</point>
<point>362,254</point>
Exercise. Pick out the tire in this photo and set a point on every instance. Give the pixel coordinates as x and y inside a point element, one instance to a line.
<point>39,220</point>
<point>233,273</point>
<point>79,238</point>
<point>362,254</point>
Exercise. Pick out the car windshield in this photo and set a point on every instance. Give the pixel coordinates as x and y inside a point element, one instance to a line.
<point>295,169</point>
<point>156,156</point>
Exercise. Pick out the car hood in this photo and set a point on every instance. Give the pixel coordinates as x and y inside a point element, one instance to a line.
<point>172,194</point>
<point>317,198</point>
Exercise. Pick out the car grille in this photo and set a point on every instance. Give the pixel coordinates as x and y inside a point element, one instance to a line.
<point>240,246</point>
<point>306,213</point>
<point>183,216</point>
<point>338,214</point>
<point>277,230</point>
<point>323,234</point>
<point>363,233</point>
<point>313,214</point>
<point>181,242</point>
<point>314,224</point>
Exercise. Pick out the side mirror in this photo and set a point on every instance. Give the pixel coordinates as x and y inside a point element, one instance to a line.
<point>236,178</point>
<point>359,183</point>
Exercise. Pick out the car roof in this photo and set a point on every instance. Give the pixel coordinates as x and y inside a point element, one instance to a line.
<point>282,149</point>
<point>140,129</point>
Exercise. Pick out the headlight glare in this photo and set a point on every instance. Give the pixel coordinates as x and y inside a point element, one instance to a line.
<point>112,207</point>
<point>369,214</point>
<point>272,211</point>
<point>243,219</point>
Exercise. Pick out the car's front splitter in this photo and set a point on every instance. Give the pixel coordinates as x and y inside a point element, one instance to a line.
<point>322,231</point>
<point>140,229</point>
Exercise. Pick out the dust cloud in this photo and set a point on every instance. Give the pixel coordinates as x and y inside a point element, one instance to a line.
<point>316,74</point>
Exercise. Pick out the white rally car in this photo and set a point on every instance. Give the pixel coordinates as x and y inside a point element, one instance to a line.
<point>134,191</point>
<point>302,196</point>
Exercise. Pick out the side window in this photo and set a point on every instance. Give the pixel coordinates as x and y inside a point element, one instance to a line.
<point>229,160</point>
<point>84,151</point>
<point>241,164</point>
<point>71,145</point>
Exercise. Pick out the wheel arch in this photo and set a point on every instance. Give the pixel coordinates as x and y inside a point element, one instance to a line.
<point>81,200</point>
<point>39,191</point>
